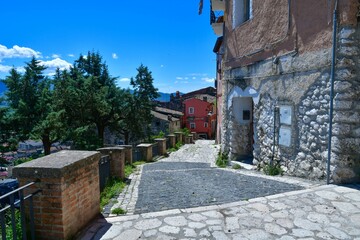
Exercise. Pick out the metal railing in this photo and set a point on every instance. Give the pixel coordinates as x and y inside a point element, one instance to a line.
<point>155,150</point>
<point>12,202</point>
<point>104,171</point>
<point>136,153</point>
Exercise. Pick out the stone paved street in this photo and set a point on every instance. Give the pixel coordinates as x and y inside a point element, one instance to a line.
<point>233,204</point>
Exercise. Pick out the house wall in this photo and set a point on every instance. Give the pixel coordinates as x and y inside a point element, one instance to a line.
<point>199,117</point>
<point>294,75</point>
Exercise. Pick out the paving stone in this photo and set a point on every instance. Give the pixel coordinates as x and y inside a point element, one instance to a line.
<point>318,218</point>
<point>212,214</point>
<point>324,209</point>
<point>280,214</point>
<point>354,196</point>
<point>197,217</point>
<point>324,235</point>
<point>148,224</point>
<point>232,223</point>
<point>328,195</point>
<point>306,224</point>
<point>302,233</point>
<point>275,229</point>
<point>346,207</point>
<point>176,221</point>
<point>169,229</point>
<point>150,233</point>
<point>205,233</point>
<point>188,232</point>
<point>196,225</point>
<point>338,234</point>
<point>220,235</point>
<point>215,228</point>
<point>131,234</point>
<point>253,234</point>
<point>214,222</point>
<point>286,238</point>
<point>284,222</point>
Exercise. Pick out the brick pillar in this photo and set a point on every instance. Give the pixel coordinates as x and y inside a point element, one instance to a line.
<point>117,160</point>
<point>70,197</point>
<point>172,140</point>
<point>128,153</point>
<point>146,151</point>
<point>162,145</point>
<point>179,137</point>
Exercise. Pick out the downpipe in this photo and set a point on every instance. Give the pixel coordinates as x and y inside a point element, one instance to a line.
<point>333,62</point>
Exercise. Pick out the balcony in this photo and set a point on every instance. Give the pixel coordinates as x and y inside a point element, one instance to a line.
<point>218,5</point>
<point>217,22</point>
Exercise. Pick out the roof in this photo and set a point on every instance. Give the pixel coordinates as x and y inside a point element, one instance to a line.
<point>208,90</point>
<point>169,111</point>
<point>163,116</point>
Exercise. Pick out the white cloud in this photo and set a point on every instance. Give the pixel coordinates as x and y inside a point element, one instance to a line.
<point>186,78</point>
<point>176,82</point>
<point>193,78</point>
<point>115,56</point>
<point>56,56</point>
<point>161,65</point>
<point>179,78</point>
<point>56,63</point>
<point>71,55</point>
<point>209,80</point>
<point>198,74</point>
<point>18,52</point>
<point>124,80</point>
<point>6,69</point>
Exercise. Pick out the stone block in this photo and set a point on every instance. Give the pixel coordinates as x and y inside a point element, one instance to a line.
<point>179,137</point>
<point>172,139</point>
<point>128,153</point>
<point>146,151</point>
<point>161,145</point>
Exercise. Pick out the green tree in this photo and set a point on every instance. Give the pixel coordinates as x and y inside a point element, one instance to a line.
<point>143,102</point>
<point>29,98</point>
<point>91,101</point>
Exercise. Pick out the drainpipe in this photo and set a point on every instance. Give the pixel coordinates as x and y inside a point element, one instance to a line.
<point>276,110</point>
<point>333,62</point>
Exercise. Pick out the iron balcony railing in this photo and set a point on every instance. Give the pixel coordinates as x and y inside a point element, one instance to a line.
<point>15,201</point>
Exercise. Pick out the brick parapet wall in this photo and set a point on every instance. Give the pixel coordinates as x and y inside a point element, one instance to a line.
<point>70,196</point>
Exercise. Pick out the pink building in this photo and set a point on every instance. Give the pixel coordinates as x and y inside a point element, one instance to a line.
<point>199,117</point>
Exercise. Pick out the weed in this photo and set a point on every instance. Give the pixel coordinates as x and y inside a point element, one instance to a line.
<point>273,170</point>
<point>113,187</point>
<point>236,166</point>
<point>118,211</point>
<point>222,160</point>
<point>130,168</point>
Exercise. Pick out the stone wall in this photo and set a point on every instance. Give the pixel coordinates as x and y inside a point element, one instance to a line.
<point>301,82</point>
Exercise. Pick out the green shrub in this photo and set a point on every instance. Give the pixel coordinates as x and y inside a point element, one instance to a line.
<point>222,160</point>
<point>236,166</point>
<point>186,131</point>
<point>272,170</point>
<point>118,211</point>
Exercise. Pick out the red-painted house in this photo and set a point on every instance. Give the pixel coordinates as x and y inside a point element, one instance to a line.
<point>200,117</point>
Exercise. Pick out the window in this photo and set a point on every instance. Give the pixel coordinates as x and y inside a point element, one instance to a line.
<point>246,115</point>
<point>205,99</point>
<point>242,11</point>
<point>191,110</point>
<point>206,125</point>
<point>192,126</point>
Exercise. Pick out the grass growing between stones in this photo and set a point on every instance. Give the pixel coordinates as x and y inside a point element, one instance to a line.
<point>273,170</point>
<point>236,166</point>
<point>130,168</point>
<point>114,186</point>
<point>222,160</point>
<point>118,211</point>
<point>178,145</point>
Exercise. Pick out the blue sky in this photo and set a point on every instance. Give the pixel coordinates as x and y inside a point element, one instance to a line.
<point>167,36</point>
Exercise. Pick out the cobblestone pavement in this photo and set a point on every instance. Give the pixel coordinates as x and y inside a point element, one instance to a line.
<point>180,182</point>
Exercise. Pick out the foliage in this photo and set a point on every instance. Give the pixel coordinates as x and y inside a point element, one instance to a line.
<point>22,160</point>
<point>272,170</point>
<point>30,101</point>
<point>236,166</point>
<point>186,131</point>
<point>222,160</point>
<point>8,226</point>
<point>113,187</point>
<point>161,134</point>
<point>118,211</point>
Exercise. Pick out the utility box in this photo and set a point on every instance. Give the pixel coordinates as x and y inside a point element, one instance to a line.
<point>285,136</point>
<point>285,115</point>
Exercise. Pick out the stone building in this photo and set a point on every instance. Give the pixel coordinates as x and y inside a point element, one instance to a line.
<point>276,80</point>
